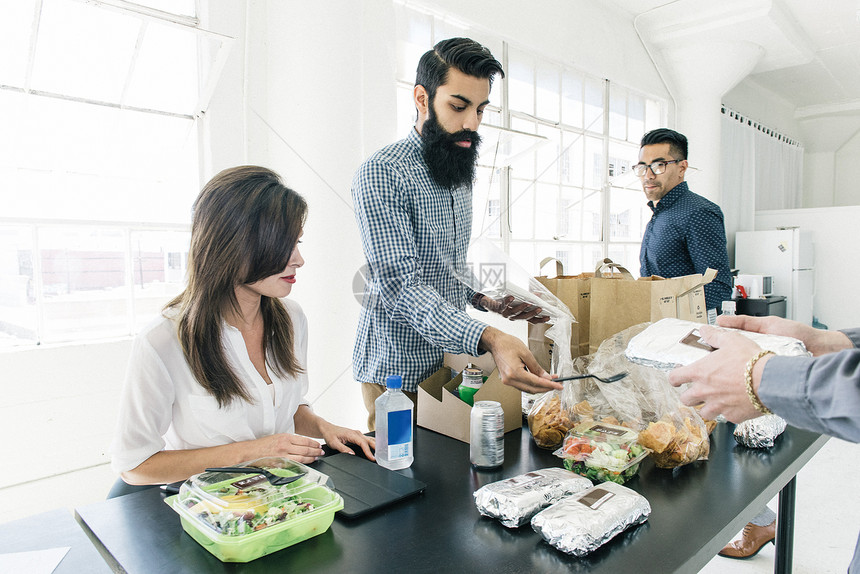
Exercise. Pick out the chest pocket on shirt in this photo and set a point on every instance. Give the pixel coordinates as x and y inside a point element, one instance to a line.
<point>220,425</point>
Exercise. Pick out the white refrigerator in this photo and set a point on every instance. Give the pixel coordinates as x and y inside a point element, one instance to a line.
<point>787,255</point>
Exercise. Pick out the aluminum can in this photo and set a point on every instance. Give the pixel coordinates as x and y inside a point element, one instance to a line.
<point>487,435</point>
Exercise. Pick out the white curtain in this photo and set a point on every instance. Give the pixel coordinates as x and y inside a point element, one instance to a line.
<point>759,170</point>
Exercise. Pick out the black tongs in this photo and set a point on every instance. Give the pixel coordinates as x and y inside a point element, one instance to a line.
<point>611,379</point>
<point>273,479</point>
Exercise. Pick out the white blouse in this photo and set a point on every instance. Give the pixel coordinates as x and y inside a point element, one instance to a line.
<point>163,407</point>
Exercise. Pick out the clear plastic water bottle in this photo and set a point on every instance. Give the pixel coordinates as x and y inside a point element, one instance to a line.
<point>394,426</point>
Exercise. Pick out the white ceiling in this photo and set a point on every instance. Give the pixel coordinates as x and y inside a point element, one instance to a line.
<point>819,73</point>
<point>832,77</point>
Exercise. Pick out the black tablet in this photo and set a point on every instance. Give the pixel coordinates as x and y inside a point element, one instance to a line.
<point>364,485</point>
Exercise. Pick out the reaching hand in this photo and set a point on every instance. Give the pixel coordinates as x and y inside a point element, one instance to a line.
<point>717,380</point>
<point>293,446</point>
<point>514,309</point>
<point>817,341</point>
<point>517,366</point>
<point>339,437</point>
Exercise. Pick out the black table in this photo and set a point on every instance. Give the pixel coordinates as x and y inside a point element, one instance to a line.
<point>54,529</point>
<point>696,509</point>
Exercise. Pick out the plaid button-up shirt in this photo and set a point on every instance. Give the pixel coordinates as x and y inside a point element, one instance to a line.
<point>414,233</point>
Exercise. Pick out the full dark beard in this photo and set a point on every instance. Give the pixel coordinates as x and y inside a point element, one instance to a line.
<point>450,165</point>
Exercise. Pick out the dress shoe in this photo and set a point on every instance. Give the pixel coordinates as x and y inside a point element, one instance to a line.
<point>753,539</point>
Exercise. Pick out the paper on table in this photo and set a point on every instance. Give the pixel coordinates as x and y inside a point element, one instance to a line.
<point>34,562</point>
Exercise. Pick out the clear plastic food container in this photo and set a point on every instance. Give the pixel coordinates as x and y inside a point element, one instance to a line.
<point>239,517</point>
<point>602,452</point>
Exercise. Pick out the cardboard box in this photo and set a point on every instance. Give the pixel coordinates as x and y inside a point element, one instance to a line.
<point>441,411</point>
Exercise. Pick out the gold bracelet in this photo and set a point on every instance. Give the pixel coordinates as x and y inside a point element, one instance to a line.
<point>748,378</point>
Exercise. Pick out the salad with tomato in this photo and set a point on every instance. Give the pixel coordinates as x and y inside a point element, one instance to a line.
<point>602,452</point>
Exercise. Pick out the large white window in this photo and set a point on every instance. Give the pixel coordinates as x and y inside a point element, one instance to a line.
<point>554,171</point>
<point>99,161</point>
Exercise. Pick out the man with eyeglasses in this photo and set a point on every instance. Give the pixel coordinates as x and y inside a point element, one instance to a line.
<point>686,233</point>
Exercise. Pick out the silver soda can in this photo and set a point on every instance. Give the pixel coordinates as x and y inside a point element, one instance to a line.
<point>487,435</point>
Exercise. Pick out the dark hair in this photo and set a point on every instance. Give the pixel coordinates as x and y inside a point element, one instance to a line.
<point>677,141</point>
<point>245,225</point>
<point>465,54</point>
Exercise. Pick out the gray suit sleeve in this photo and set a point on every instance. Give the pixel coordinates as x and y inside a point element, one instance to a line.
<point>821,394</point>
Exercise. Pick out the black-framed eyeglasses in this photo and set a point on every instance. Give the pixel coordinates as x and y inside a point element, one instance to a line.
<point>656,168</point>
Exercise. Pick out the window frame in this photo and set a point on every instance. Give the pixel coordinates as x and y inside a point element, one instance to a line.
<point>211,53</point>
<point>624,249</point>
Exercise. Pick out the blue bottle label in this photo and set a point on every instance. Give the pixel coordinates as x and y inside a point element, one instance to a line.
<point>399,433</point>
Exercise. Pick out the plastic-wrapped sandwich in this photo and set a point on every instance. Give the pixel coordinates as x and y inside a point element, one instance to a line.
<point>759,432</point>
<point>515,500</point>
<point>582,523</point>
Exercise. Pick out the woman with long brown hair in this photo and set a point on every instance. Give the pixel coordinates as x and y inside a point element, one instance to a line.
<point>220,378</point>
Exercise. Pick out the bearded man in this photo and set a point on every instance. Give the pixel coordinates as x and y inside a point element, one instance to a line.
<point>413,205</point>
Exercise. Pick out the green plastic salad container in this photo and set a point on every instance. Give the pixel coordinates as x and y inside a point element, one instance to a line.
<point>239,517</point>
<point>602,452</point>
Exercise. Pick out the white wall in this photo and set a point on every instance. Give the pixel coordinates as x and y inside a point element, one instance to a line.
<point>819,175</point>
<point>831,143</point>
<point>58,408</point>
<point>325,89</point>
<point>768,108</point>
<point>224,125</point>
<point>837,273</point>
<point>846,174</point>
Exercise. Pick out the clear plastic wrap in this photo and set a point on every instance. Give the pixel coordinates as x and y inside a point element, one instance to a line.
<point>582,523</point>
<point>643,401</point>
<point>678,438</point>
<point>528,401</point>
<point>492,272</point>
<point>759,432</point>
<point>601,452</point>
<point>515,500</point>
<point>548,422</point>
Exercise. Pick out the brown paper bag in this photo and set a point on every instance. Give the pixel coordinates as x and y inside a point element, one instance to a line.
<point>573,290</point>
<point>619,301</point>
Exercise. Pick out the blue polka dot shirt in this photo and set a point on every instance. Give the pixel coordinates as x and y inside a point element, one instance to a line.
<point>687,235</point>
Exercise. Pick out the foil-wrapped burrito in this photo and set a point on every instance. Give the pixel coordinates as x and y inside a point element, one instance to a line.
<point>759,432</point>
<point>582,523</point>
<point>515,500</point>
<point>671,342</point>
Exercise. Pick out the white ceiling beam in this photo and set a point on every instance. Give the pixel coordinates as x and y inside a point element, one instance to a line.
<point>819,110</point>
